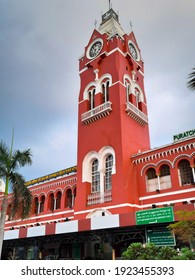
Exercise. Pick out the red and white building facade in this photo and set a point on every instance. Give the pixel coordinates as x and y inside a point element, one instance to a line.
<point>89,210</point>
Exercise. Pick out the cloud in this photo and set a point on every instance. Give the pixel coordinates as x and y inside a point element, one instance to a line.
<point>40,44</point>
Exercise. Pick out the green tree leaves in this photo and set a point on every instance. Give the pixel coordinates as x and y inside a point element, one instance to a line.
<point>136,251</point>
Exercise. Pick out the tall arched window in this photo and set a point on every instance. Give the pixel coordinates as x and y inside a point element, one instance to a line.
<point>165,178</point>
<point>108,172</point>
<point>95,176</point>
<point>151,180</point>
<point>164,170</point>
<point>74,192</point>
<point>36,205</point>
<point>185,172</point>
<point>42,202</point>
<point>105,91</point>
<point>51,202</point>
<point>58,200</point>
<point>91,93</point>
<point>128,92</point>
<point>138,99</point>
<point>151,174</point>
<point>68,198</point>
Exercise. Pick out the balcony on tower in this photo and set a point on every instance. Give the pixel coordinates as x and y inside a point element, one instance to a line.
<point>136,114</point>
<point>97,197</point>
<point>97,113</point>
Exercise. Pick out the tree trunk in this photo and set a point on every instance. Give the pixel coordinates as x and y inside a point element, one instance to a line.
<point>2,221</point>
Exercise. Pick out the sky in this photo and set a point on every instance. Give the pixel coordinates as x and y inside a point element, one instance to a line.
<point>40,44</point>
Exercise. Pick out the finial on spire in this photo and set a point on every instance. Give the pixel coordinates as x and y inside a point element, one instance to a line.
<point>95,23</point>
<point>131,25</point>
<point>109,5</point>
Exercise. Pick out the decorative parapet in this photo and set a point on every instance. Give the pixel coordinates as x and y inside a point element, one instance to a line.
<point>163,154</point>
<point>97,198</point>
<point>97,113</point>
<point>136,114</point>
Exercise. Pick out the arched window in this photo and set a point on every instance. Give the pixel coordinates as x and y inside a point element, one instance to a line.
<point>42,202</point>
<point>108,172</point>
<point>151,174</point>
<point>151,180</point>
<point>164,170</point>
<point>68,198</point>
<point>58,200</point>
<point>95,176</point>
<point>75,192</point>
<point>105,91</point>
<point>51,202</point>
<point>91,93</point>
<point>138,99</point>
<point>128,92</point>
<point>185,172</point>
<point>36,205</point>
<point>98,168</point>
<point>165,178</point>
<point>74,195</point>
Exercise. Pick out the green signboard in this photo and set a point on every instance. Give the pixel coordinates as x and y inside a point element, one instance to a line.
<point>186,134</point>
<point>161,237</point>
<point>156,215</point>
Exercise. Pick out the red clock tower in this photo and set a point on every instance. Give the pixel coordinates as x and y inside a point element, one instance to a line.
<point>112,120</point>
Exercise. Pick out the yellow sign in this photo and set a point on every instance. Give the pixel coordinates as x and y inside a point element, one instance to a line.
<point>52,176</point>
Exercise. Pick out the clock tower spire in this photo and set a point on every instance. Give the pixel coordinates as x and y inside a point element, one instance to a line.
<point>112,118</point>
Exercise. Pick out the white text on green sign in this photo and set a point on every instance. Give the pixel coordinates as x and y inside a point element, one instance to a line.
<point>156,215</point>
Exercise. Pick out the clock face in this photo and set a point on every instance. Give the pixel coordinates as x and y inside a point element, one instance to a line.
<point>95,49</point>
<point>133,51</point>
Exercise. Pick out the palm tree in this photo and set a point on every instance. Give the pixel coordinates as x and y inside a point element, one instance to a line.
<point>191,81</point>
<point>10,161</point>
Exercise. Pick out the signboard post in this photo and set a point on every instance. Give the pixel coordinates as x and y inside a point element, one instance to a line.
<point>156,215</point>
